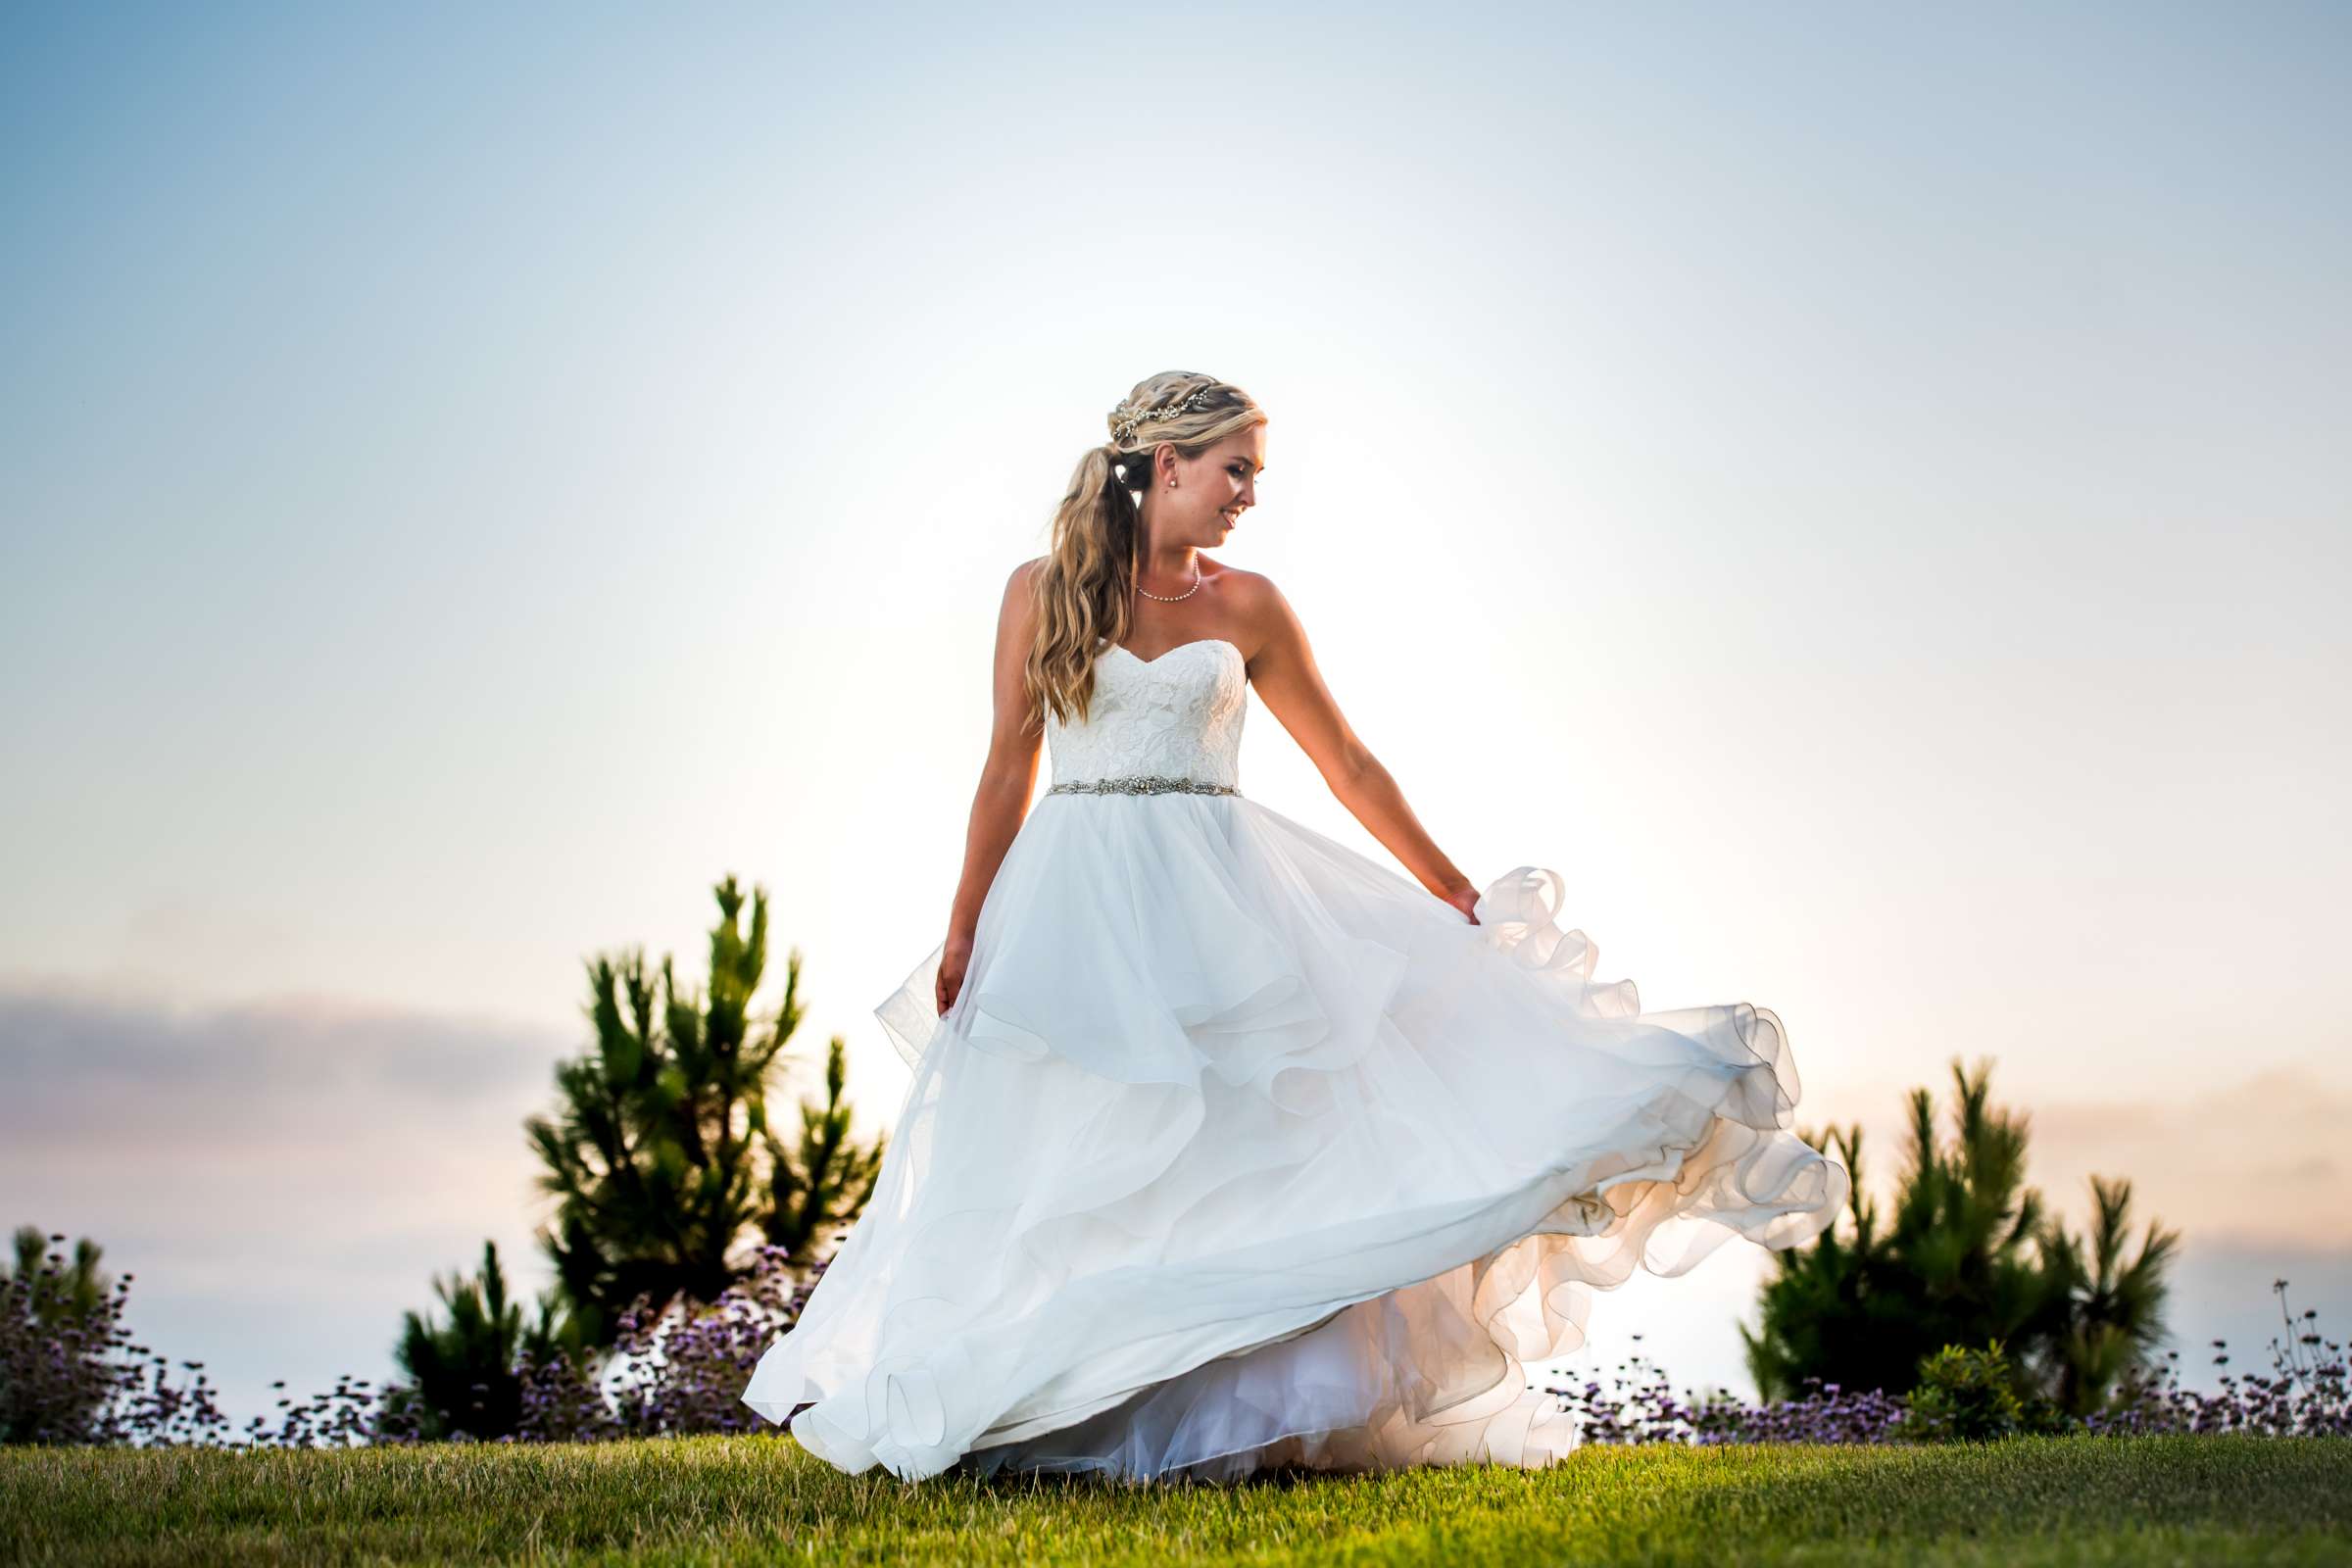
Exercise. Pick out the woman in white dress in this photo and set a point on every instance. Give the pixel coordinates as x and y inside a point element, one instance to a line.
<point>1228,1146</point>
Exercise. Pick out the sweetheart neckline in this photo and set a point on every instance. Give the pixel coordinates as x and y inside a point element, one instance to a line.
<point>1179,647</point>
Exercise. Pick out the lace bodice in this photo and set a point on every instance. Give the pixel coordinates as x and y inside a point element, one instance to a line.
<point>1178,715</point>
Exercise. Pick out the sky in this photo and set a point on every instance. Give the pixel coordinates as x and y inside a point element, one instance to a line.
<point>1859,490</point>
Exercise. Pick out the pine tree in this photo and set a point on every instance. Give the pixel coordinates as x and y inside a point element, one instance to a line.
<point>655,1157</point>
<point>1817,1309</point>
<point>2108,1317</point>
<point>820,1186</point>
<point>464,1375</point>
<point>1968,1255</point>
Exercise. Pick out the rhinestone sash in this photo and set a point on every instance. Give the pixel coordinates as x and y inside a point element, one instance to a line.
<point>1142,784</point>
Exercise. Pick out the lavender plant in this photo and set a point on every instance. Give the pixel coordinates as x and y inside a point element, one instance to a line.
<point>1638,1404</point>
<point>59,1370</point>
<point>70,1373</point>
<point>75,1377</point>
<point>671,1373</point>
<point>1966,1395</point>
<point>2307,1392</point>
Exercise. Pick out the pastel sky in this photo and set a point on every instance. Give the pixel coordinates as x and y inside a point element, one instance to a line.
<point>1860,490</point>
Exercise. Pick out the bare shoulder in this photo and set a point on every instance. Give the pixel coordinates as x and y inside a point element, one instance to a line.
<point>1255,603</point>
<point>1019,598</point>
<point>1016,605</point>
<point>1251,595</point>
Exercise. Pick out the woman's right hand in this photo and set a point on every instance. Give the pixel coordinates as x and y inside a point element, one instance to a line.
<point>953,957</point>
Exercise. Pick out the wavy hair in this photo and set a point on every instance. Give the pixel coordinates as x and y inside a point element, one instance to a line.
<point>1082,592</point>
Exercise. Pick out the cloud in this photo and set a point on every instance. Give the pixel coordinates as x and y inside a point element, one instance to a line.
<point>290,1120</point>
<point>301,1167</point>
<point>2257,1162</point>
<point>64,1047</point>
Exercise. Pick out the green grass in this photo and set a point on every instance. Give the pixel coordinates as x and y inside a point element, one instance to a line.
<point>2191,1500</point>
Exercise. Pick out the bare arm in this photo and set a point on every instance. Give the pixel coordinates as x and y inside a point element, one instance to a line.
<point>1005,781</point>
<point>1283,672</point>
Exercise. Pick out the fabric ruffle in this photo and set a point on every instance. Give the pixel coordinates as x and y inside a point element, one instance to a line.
<point>1238,1148</point>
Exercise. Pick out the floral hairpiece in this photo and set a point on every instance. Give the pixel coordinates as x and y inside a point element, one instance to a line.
<point>1128,418</point>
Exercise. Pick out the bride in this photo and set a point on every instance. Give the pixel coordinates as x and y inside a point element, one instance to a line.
<point>1228,1146</point>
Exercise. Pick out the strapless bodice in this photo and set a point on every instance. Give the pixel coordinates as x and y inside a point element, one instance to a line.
<point>1177,716</point>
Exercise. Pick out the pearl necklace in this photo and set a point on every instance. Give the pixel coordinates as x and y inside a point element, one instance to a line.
<point>1172,599</point>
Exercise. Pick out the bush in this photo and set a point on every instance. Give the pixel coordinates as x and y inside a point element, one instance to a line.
<point>465,1376</point>
<point>1970,1396</point>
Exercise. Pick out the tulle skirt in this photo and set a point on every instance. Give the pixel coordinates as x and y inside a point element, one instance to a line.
<point>1239,1149</point>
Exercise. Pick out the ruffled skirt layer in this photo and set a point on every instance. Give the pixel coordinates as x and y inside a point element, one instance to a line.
<point>1239,1149</point>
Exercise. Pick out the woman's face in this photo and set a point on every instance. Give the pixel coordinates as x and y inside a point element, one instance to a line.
<point>1213,490</point>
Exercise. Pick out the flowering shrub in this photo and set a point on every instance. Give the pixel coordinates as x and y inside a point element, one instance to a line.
<point>69,1375</point>
<point>677,1372</point>
<point>1638,1404</point>
<point>2307,1392</point>
<point>75,1377</point>
<point>65,1370</point>
<point>668,1373</point>
<point>1964,1394</point>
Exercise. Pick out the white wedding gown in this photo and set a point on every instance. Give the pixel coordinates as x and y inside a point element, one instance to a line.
<point>1238,1148</point>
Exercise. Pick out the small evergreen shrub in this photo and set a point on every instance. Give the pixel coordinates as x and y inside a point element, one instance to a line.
<point>1968,1394</point>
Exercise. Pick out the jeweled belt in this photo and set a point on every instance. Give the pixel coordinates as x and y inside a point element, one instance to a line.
<point>1142,784</point>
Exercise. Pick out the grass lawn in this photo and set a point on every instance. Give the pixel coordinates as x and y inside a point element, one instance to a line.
<point>2187,1501</point>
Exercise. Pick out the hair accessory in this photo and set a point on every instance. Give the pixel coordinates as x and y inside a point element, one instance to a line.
<point>1128,418</point>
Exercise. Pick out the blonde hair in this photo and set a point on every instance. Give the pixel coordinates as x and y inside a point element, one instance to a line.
<point>1082,590</point>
